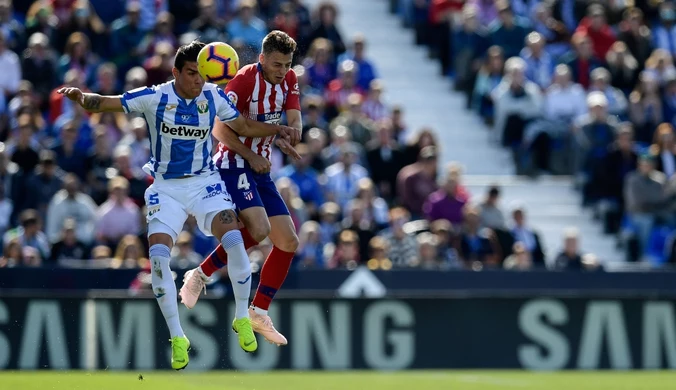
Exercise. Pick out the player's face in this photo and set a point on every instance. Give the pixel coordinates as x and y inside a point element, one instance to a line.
<point>275,66</point>
<point>188,81</point>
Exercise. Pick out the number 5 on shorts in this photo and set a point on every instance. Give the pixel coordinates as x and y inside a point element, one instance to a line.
<point>243,182</point>
<point>153,199</point>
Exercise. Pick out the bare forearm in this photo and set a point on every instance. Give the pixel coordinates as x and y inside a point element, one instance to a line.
<point>94,102</point>
<point>256,129</point>
<point>232,141</point>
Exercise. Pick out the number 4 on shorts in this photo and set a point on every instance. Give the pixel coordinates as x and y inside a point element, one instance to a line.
<point>243,182</point>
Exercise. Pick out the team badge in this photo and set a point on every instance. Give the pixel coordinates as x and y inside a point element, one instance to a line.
<point>202,107</point>
<point>248,195</point>
<point>232,96</point>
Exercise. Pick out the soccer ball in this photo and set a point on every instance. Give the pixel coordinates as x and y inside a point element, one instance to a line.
<point>218,63</point>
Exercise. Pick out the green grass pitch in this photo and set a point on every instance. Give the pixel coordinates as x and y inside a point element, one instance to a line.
<point>357,380</point>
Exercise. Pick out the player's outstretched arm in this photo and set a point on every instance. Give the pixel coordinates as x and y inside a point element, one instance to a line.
<point>254,129</point>
<point>93,102</point>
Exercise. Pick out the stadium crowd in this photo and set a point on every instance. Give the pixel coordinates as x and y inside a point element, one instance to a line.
<point>583,88</point>
<point>366,190</point>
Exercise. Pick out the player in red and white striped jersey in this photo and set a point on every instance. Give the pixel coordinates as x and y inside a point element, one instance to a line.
<point>264,92</point>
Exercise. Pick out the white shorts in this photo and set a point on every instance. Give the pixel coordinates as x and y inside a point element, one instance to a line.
<point>171,201</point>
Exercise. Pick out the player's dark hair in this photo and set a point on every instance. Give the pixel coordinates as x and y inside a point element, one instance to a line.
<point>187,53</point>
<point>278,41</point>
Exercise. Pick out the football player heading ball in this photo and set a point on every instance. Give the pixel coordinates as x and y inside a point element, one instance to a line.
<point>262,92</point>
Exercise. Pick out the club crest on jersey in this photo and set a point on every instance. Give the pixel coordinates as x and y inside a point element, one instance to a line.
<point>202,107</point>
<point>232,96</point>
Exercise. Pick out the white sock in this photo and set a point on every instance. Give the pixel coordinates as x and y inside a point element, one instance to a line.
<point>165,288</point>
<point>260,311</point>
<point>239,271</point>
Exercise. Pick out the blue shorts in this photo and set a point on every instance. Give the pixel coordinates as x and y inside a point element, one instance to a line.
<point>250,189</point>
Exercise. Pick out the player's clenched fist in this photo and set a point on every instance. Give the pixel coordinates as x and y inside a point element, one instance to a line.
<point>290,134</point>
<point>72,93</point>
<point>259,164</point>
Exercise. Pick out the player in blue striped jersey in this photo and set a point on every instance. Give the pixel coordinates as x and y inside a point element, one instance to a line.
<point>181,115</point>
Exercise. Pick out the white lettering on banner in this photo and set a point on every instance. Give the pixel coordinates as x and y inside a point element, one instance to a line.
<point>201,340</point>
<point>604,320</point>
<point>134,328</point>
<point>550,350</point>
<point>659,332</point>
<point>362,282</point>
<point>267,355</point>
<point>89,343</point>
<point>376,336</point>
<point>333,344</point>
<point>5,348</point>
<point>43,318</point>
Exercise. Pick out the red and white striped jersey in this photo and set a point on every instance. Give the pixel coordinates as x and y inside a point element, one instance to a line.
<point>258,100</point>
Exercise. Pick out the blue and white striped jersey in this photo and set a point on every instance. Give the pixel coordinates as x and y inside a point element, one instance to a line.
<point>179,130</point>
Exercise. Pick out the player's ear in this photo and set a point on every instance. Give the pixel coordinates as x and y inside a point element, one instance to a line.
<point>175,72</point>
<point>261,58</point>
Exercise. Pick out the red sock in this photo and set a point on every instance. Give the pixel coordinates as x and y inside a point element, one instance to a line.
<point>219,258</point>
<point>274,272</point>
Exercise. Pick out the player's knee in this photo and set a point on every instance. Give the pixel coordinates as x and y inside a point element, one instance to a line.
<point>260,230</point>
<point>289,244</point>
<point>223,222</point>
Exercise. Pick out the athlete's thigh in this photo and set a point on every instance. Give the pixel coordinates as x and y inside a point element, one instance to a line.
<point>242,186</point>
<point>283,233</point>
<point>272,199</point>
<point>209,196</point>
<point>164,208</point>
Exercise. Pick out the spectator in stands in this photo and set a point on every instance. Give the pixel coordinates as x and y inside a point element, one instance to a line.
<point>129,254</point>
<point>664,31</point>
<point>346,253</point>
<point>12,28</point>
<point>289,192</point>
<point>384,160</point>
<point>644,195</point>
<point>422,138</point>
<point>623,67</point>
<point>316,140</point>
<point>489,210</point>
<point>78,56</point>
<point>636,35</point>
<point>159,66</point>
<point>445,203</point>
<point>319,65</point>
<point>340,90</point>
<point>42,185</point>
<point>582,60</point>
<point>373,106</point>
<point>106,80</point>
<point>428,252</point>
<point>138,143</point>
<point>71,202</point>
<point>138,181</point>
<point>555,32</point>
<point>478,247</point>
<point>617,102</point>
<point>341,138</point>
<point>209,26</point>
<point>469,44</point>
<point>508,33</point>
<point>402,246</point>
<point>448,241</point>
<point>669,100</point>
<point>162,33</point>
<point>569,259</point>
<point>329,226</point>
<point>367,71</point>
<point>182,254</point>
<point>97,165</point>
<point>664,149</point>
<point>6,210</point>
<point>620,161</point>
<point>286,20</point>
<point>38,67</point>
<point>375,207</point>
<point>29,233</point>
<point>137,77</point>
<point>23,152</point>
<point>306,178</point>
<point>359,125</point>
<point>12,255</point>
<point>646,109</point>
<point>362,223</point>
<point>539,63</point>
<point>417,181</point>
<point>517,102</point>
<point>595,26</point>
<point>313,116</point>
<point>325,27</point>
<point>68,157</point>
<point>11,69</point>
<point>119,215</point>
<point>68,247</point>
<point>519,260</point>
<point>378,255</point>
<point>528,237</point>
<point>85,20</point>
<point>247,26</point>
<point>310,251</point>
<point>342,178</point>
<point>31,257</point>
<point>126,38</point>
<point>487,79</point>
<point>400,130</point>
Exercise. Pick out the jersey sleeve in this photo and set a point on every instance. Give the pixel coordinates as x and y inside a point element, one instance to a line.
<point>239,91</point>
<point>138,100</point>
<point>225,108</point>
<point>293,98</point>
